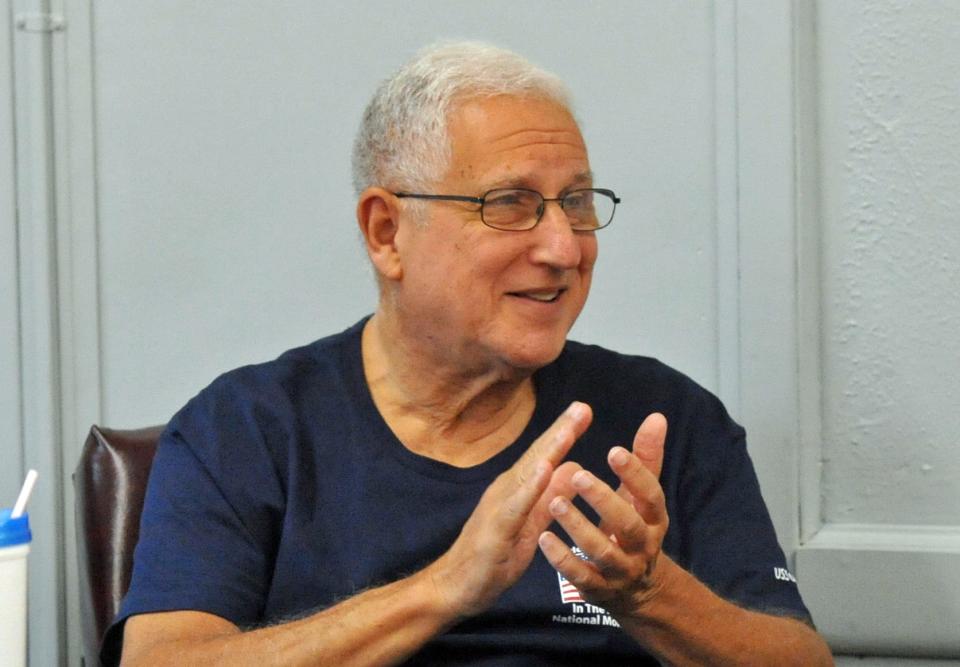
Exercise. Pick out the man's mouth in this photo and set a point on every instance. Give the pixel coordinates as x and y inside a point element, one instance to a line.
<point>543,296</point>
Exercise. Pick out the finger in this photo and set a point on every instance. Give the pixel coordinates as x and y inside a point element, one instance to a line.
<point>648,446</point>
<point>556,441</point>
<point>605,554</point>
<point>530,474</point>
<point>644,488</point>
<point>619,520</point>
<point>559,485</point>
<point>648,442</point>
<point>521,498</point>
<point>623,492</point>
<point>582,574</point>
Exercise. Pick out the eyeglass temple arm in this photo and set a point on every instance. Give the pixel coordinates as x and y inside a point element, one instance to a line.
<point>411,195</point>
<point>609,193</point>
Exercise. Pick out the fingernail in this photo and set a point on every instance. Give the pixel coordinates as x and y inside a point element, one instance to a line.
<point>619,457</point>
<point>582,480</point>
<point>576,409</point>
<point>559,506</point>
<point>544,540</point>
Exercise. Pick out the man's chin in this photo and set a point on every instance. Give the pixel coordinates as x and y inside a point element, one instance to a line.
<point>531,358</point>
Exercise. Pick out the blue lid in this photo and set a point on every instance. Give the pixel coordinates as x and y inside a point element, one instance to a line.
<point>14,531</point>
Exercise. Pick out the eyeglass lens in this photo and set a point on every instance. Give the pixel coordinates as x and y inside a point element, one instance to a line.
<point>521,209</point>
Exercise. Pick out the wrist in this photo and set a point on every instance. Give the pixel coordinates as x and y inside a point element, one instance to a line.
<point>662,581</point>
<point>441,592</point>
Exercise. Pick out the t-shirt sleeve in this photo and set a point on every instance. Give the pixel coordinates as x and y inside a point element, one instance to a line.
<point>729,540</point>
<point>209,522</point>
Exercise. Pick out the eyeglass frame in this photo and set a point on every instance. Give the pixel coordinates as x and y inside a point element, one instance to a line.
<point>481,200</point>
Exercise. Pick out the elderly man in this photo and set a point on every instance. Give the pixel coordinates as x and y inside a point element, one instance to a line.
<point>445,482</point>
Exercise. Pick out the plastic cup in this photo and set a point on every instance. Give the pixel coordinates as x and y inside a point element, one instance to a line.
<point>14,547</point>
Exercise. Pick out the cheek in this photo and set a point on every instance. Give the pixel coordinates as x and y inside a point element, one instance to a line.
<point>588,255</point>
<point>460,275</point>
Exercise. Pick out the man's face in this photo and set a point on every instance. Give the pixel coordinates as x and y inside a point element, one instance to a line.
<point>485,297</point>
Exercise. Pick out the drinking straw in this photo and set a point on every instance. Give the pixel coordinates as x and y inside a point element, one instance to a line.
<point>24,496</point>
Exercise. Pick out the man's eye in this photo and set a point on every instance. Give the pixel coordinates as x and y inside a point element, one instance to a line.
<point>504,200</point>
<point>577,200</point>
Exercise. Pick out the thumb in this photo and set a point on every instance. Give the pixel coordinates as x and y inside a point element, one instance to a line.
<point>648,442</point>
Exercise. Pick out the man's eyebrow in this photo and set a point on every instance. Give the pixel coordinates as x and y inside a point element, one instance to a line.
<point>583,178</point>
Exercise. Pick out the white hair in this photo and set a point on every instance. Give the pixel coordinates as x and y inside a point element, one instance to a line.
<point>403,141</point>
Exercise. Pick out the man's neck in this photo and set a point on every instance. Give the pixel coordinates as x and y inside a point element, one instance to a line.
<point>456,415</point>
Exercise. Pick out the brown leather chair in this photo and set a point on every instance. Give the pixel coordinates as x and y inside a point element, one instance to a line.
<point>110,482</point>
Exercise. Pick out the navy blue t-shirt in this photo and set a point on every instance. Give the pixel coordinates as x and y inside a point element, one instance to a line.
<point>280,490</point>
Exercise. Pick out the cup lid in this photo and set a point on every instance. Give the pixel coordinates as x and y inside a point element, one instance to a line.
<point>14,531</point>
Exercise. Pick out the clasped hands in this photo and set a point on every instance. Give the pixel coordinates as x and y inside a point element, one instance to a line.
<point>498,541</point>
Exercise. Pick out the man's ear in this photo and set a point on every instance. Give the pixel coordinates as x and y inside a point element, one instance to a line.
<point>379,219</point>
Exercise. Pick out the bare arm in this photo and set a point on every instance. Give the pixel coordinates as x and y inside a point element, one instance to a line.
<point>685,623</point>
<point>385,625</point>
<point>663,607</point>
<point>381,626</point>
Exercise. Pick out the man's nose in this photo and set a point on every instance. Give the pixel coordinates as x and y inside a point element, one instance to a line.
<point>556,242</point>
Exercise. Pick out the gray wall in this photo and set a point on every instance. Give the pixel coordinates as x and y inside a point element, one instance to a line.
<point>222,156</point>
<point>891,167</point>
<point>787,238</point>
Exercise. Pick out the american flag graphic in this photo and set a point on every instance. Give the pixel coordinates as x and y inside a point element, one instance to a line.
<point>568,592</point>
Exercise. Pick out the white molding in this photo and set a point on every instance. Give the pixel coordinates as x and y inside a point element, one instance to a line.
<point>75,125</point>
<point>78,288</point>
<point>767,223</point>
<point>726,173</point>
<point>886,537</point>
<point>875,661</point>
<point>808,269</point>
<point>887,590</point>
<point>11,473</point>
<point>37,252</point>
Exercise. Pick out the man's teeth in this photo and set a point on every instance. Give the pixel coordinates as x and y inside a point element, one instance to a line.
<point>542,296</point>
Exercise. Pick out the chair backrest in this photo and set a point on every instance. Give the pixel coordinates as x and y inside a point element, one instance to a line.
<point>110,482</point>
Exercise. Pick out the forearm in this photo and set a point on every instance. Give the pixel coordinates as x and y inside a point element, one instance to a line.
<point>386,625</point>
<point>381,626</point>
<point>685,623</point>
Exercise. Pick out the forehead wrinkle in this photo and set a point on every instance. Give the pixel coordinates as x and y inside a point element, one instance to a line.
<point>527,137</point>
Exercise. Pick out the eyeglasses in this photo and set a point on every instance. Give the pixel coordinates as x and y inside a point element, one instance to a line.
<point>519,209</point>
